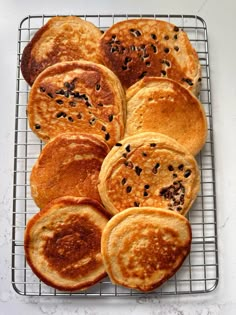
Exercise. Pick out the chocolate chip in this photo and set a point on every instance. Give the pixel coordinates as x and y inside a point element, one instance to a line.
<point>153,36</point>
<point>187,173</point>
<point>145,194</point>
<point>176,48</point>
<point>61,91</point>
<point>100,104</point>
<point>98,87</point>
<point>170,168</point>
<point>124,155</point>
<point>118,144</point>
<point>138,170</point>
<point>187,80</point>
<point>152,145</point>
<point>146,186</point>
<point>148,63</point>
<point>129,164</point>
<point>127,59</point>
<point>144,154</point>
<point>107,136</point>
<point>136,204</point>
<point>166,50</point>
<point>88,104</point>
<point>67,85</point>
<point>42,89</point>
<point>175,36</point>
<point>166,37</point>
<point>175,175</point>
<point>154,170</point>
<point>200,79</point>
<point>67,94</point>
<point>124,67</point>
<point>70,119</point>
<point>179,208</point>
<point>92,121</point>
<point>60,102</point>
<point>37,126</point>
<point>128,189</point>
<point>137,33</point>
<point>110,117</point>
<point>114,48</point>
<point>61,114</point>
<point>72,104</point>
<point>103,128</point>
<point>124,180</point>
<point>163,72</point>
<point>142,74</point>
<point>79,115</point>
<point>127,148</point>
<point>176,29</point>
<point>50,94</point>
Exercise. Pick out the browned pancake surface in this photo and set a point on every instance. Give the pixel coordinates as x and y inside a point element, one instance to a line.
<point>62,243</point>
<point>143,247</point>
<point>137,48</point>
<point>60,39</point>
<point>77,96</point>
<point>163,105</point>
<point>68,165</point>
<point>149,169</point>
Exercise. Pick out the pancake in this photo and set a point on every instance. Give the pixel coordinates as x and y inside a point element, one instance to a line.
<point>163,105</point>
<point>143,247</point>
<point>137,48</point>
<point>68,165</point>
<point>77,96</point>
<point>62,38</point>
<point>149,169</point>
<point>63,243</point>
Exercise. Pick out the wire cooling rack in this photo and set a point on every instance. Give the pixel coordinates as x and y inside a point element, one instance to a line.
<point>199,273</point>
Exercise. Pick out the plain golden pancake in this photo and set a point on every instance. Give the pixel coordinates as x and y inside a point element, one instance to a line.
<point>63,243</point>
<point>143,247</point>
<point>77,96</point>
<point>149,169</point>
<point>62,38</point>
<point>163,105</point>
<point>68,165</point>
<point>137,48</point>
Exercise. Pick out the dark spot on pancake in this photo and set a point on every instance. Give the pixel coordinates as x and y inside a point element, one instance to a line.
<point>136,204</point>
<point>50,94</point>
<point>79,116</point>
<point>170,168</point>
<point>72,104</point>
<point>146,186</point>
<point>67,85</point>
<point>176,48</point>
<point>88,104</point>
<point>127,148</point>
<point>163,72</point>
<point>129,164</point>
<point>166,50</point>
<point>61,91</point>
<point>175,175</point>
<point>179,208</point>
<point>61,114</point>
<point>176,29</point>
<point>187,80</point>
<point>154,48</point>
<point>144,154</point>
<point>132,47</point>
<point>166,37</point>
<point>60,102</point>
<point>200,79</point>
<point>100,104</point>
<point>135,32</point>
<point>92,121</point>
<point>142,75</point>
<point>153,36</point>
<point>124,180</point>
<point>103,128</point>
<point>152,145</point>
<point>145,194</point>
<point>67,94</point>
<point>187,173</point>
<point>148,63</point>
<point>98,87</point>
<point>127,59</point>
<point>128,189</point>
<point>124,67</point>
<point>155,168</point>
<point>110,117</point>
<point>37,126</point>
<point>124,155</point>
<point>118,144</point>
<point>114,48</point>
<point>138,170</point>
<point>42,89</point>
<point>181,167</point>
<point>107,136</point>
<point>175,36</point>
<point>70,119</point>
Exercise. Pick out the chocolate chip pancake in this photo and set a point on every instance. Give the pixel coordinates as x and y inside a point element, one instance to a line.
<point>137,48</point>
<point>62,38</point>
<point>163,105</point>
<point>68,165</point>
<point>63,243</point>
<point>149,169</point>
<point>77,96</point>
<point>143,247</point>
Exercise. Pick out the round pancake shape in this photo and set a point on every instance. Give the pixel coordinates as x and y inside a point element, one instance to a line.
<point>77,96</point>
<point>62,243</point>
<point>149,169</point>
<point>62,38</point>
<point>137,48</point>
<point>163,105</point>
<point>143,247</point>
<point>68,165</point>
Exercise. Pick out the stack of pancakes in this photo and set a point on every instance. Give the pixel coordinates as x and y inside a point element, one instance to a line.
<point>121,120</point>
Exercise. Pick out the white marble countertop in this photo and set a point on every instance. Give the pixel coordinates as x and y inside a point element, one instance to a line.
<point>220,19</point>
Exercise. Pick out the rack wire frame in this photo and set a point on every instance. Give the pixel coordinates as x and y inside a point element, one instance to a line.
<point>200,272</point>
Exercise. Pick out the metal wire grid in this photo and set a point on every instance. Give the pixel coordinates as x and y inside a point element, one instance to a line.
<point>199,273</point>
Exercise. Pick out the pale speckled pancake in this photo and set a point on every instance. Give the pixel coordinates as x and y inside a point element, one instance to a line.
<point>137,48</point>
<point>143,247</point>
<point>77,96</point>
<point>163,105</point>
<point>149,169</point>
<point>68,165</point>
<point>63,243</point>
<point>62,38</point>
